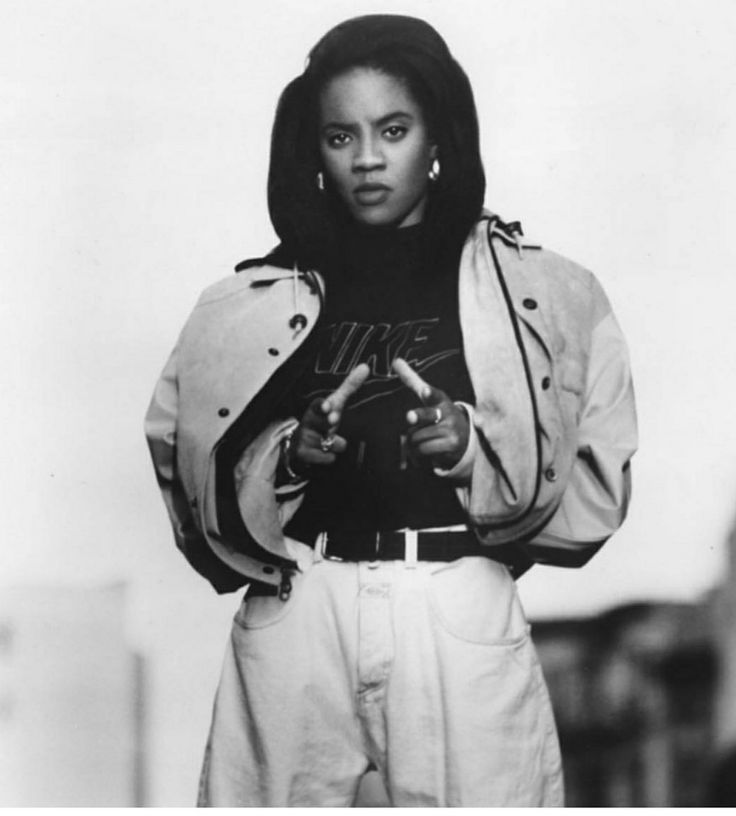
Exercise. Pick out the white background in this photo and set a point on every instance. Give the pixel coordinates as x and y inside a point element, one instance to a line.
<point>133,158</point>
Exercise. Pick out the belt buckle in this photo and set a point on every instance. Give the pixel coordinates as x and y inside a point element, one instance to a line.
<point>411,541</point>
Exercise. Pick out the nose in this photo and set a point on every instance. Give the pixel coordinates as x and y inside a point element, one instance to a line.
<point>368,156</point>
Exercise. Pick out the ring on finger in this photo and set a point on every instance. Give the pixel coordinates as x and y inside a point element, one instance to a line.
<point>437,416</point>
<point>326,443</point>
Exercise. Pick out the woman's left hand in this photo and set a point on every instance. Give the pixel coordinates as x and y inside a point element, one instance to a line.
<point>438,431</point>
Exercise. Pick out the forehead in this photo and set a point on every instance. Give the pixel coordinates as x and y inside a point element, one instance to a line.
<point>365,94</point>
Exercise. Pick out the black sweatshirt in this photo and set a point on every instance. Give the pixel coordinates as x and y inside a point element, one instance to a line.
<point>386,302</point>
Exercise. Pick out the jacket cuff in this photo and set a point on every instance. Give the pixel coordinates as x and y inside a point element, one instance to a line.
<point>462,471</point>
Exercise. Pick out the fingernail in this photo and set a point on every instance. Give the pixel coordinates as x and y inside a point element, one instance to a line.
<point>325,407</point>
<point>411,417</point>
<point>427,393</point>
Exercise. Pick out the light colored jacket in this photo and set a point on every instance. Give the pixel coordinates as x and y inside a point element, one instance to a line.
<point>554,413</point>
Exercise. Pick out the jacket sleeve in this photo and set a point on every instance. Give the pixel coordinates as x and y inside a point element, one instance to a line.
<point>596,497</point>
<point>160,429</point>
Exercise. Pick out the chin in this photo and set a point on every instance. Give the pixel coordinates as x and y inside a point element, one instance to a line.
<point>373,218</point>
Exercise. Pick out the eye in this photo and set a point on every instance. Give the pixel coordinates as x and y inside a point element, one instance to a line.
<point>337,139</point>
<point>395,132</point>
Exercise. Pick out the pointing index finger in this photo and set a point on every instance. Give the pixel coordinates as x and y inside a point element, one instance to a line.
<point>339,397</point>
<point>411,379</point>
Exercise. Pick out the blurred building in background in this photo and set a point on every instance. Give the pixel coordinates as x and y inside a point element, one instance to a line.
<point>634,697</point>
<point>645,700</point>
<point>71,700</point>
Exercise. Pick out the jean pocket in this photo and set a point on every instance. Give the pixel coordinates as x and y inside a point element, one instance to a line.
<point>474,599</point>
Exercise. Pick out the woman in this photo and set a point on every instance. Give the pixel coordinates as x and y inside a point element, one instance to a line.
<point>377,428</point>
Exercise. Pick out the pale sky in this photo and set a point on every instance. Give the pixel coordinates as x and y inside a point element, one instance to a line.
<point>133,157</point>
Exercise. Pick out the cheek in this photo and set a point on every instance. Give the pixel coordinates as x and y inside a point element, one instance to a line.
<point>333,166</point>
<point>417,172</point>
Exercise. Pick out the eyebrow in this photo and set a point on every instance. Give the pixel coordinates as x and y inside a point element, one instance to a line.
<point>398,114</point>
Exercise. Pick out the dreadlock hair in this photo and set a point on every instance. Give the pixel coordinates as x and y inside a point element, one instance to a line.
<point>308,221</point>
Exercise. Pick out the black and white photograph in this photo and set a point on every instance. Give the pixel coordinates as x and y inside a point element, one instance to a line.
<point>368,409</point>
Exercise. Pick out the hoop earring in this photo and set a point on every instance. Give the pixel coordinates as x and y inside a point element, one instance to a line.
<point>320,182</point>
<point>434,170</point>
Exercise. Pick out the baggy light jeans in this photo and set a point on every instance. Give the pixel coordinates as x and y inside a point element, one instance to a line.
<point>427,673</point>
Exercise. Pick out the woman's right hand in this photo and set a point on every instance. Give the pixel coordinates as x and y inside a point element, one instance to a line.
<point>315,441</point>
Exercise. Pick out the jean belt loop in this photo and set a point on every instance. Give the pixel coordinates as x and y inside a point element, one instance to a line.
<point>411,542</point>
<point>373,563</point>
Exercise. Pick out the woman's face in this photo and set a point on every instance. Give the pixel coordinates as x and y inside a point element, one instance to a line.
<point>375,147</point>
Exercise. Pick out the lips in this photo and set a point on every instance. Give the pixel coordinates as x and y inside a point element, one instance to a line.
<point>369,195</point>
